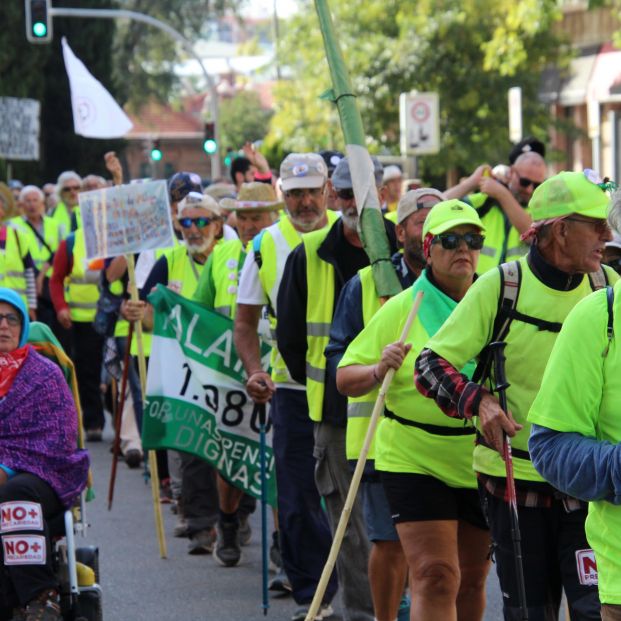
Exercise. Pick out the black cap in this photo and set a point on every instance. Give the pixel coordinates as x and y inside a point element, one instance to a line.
<point>331,158</point>
<point>530,143</point>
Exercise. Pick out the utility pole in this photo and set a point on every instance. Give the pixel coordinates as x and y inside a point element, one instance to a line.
<point>216,166</point>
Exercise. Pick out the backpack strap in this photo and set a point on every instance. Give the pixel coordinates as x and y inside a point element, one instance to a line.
<point>599,279</point>
<point>510,281</point>
<point>70,241</point>
<point>610,298</point>
<point>256,248</point>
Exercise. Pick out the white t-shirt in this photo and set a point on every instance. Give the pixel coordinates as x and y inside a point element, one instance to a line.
<point>250,290</point>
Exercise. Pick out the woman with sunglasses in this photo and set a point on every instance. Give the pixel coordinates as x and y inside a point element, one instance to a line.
<point>424,458</point>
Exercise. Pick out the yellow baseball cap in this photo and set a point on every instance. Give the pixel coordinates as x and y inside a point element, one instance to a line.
<point>448,214</point>
<point>567,193</point>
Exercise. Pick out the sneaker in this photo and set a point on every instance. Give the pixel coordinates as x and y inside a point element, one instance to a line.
<point>94,435</point>
<point>202,542</point>
<point>165,492</point>
<point>245,532</point>
<point>228,548</point>
<point>132,458</point>
<point>280,583</point>
<point>325,611</point>
<point>181,527</point>
<point>45,607</point>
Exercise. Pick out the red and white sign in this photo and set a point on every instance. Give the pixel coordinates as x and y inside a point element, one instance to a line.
<point>419,120</point>
<point>20,515</point>
<point>24,549</point>
<point>587,567</point>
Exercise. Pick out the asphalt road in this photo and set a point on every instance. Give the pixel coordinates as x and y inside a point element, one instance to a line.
<point>139,586</point>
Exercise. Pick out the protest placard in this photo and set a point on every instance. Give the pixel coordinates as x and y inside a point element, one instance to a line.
<point>196,400</point>
<point>19,129</point>
<point>126,219</point>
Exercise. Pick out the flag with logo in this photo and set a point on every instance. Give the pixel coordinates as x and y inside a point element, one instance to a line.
<point>196,401</point>
<point>95,113</point>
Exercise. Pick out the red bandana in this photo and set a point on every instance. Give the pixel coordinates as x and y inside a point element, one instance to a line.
<point>10,364</point>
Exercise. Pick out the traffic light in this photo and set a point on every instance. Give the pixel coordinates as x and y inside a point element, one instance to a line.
<point>156,152</point>
<point>210,145</point>
<point>38,21</point>
<point>228,158</point>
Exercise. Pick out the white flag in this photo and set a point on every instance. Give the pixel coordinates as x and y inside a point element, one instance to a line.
<point>95,113</point>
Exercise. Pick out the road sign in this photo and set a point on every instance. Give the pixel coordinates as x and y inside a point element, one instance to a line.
<point>420,123</point>
<point>19,130</point>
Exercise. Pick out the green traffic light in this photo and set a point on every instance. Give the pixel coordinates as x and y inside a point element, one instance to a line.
<point>156,155</point>
<point>210,146</point>
<point>39,29</point>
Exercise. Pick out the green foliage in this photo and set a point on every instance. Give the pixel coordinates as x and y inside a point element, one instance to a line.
<point>470,51</point>
<point>243,119</point>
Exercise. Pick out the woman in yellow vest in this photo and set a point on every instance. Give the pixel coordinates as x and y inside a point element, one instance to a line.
<point>424,458</point>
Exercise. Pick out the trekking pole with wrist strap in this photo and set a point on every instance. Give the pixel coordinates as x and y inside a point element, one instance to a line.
<point>501,384</point>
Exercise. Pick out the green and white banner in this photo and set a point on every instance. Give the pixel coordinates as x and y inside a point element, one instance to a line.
<point>196,401</point>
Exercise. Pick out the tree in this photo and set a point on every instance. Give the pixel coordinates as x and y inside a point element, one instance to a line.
<point>470,51</point>
<point>242,118</point>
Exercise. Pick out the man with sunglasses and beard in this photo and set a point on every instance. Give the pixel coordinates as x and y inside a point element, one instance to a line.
<point>312,281</point>
<point>524,304</point>
<point>503,207</point>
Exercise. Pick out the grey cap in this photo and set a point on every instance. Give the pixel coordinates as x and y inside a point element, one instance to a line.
<point>198,200</point>
<point>303,170</point>
<point>341,177</point>
<point>410,202</point>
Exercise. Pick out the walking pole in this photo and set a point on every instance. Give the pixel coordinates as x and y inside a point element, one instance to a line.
<point>119,405</point>
<point>264,549</point>
<point>378,409</point>
<point>497,349</point>
<point>142,370</point>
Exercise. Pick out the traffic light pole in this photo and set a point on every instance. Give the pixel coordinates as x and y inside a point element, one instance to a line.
<point>216,166</point>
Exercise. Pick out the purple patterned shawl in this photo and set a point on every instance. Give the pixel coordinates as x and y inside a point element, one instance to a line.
<point>39,428</point>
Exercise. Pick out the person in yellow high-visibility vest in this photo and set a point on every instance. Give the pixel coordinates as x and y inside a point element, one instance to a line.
<point>255,209</point>
<point>68,188</point>
<point>42,236</point>
<point>304,531</point>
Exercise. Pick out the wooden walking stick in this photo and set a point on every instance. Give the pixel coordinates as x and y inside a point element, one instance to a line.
<point>119,404</point>
<point>378,409</point>
<point>142,371</point>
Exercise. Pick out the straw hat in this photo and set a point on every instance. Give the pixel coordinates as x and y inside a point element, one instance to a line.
<point>255,196</point>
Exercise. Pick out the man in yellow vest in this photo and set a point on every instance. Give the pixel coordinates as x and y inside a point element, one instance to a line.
<point>524,303</point>
<point>314,275</point>
<point>304,531</point>
<point>255,208</point>
<point>180,269</point>
<point>68,188</point>
<point>503,207</point>
<point>74,291</point>
<point>41,236</point>
<point>357,304</point>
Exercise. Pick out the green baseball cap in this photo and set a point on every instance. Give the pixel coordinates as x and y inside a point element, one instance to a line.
<point>567,193</point>
<point>448,214</point>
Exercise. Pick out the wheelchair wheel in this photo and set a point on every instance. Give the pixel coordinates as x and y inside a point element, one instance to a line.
<point>89,607</point>
<point>89,556</point>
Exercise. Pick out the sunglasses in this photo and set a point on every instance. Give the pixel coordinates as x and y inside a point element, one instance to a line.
<point>71,188</point>
<point>451,241</point>
<point>345,195</point>
<point>11,318</point>
<point>201,222</point>
<point>300,193</point>
<point>600,226</point>
<point>526,182</point>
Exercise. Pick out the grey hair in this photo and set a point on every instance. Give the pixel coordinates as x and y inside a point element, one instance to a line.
<point>614,212</point>
<point>27,189</point>
<point>63,177</point>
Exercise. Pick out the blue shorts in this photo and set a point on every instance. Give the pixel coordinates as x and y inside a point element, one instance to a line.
<point>377,515</point>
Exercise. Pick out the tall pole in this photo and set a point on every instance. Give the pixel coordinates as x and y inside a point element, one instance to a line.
<point>216,164</point>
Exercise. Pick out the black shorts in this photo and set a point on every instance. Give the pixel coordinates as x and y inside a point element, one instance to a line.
<point>420,497</point>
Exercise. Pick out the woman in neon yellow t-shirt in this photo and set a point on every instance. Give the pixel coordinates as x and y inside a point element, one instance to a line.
<point>424,457</point>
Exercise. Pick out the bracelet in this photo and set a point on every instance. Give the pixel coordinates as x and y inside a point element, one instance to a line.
<point>375,377</point>
<point>256,373</point>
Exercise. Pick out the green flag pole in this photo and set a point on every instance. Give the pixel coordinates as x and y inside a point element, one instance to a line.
<point>372,231</point>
